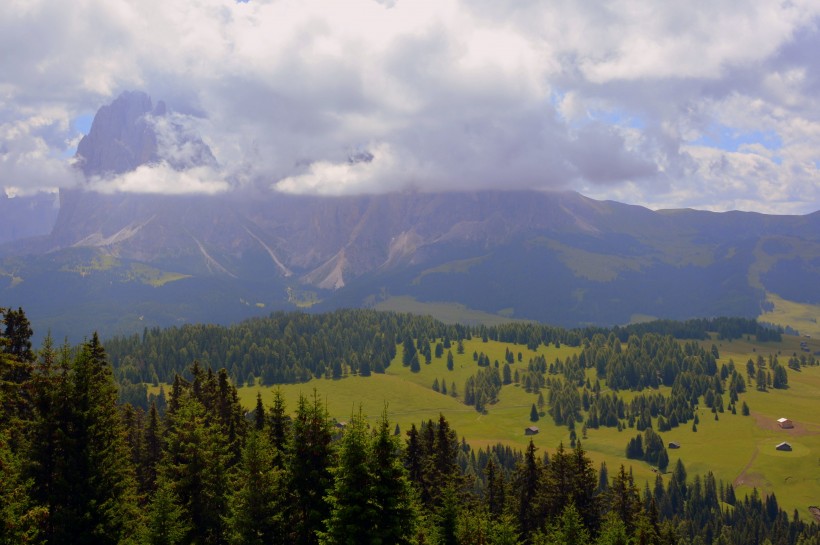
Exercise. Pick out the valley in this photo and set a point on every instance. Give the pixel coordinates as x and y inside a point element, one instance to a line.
<point>737,449</point>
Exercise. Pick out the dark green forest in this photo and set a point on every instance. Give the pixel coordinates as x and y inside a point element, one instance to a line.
<point>81,464</point>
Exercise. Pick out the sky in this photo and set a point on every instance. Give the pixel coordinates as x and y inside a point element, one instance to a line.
<point>699,104</point>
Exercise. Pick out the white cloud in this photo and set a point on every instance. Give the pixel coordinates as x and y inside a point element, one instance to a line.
<point>161,178</point>
<point>29,153</point>
<point>610,99</point>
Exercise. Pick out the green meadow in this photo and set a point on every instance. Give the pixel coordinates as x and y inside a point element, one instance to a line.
<point>738,449</point>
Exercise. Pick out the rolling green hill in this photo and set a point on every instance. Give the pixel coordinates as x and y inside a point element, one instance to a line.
<point>738,449</point>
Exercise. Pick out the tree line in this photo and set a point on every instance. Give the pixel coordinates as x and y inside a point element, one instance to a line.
<point>288,347</point>
<point>77,467</point>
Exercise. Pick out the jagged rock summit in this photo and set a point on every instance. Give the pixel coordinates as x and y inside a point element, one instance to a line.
<point>121,136</point>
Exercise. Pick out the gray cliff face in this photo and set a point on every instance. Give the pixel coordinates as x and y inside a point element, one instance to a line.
<point>120,139</point>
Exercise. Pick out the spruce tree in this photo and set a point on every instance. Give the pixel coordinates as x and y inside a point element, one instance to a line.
<point>153,450</point>
<point>613,531</point>
<point>569,529</point>
<point>352,515</point>
<point>309,459</point>
<point>16,367</point>
<point>278,428</point>
<point>259,413</point>
<point>256,503</point>
<point>20,518</point>
<point>84,476</point>
<point>496,495</point>
<point>194,467</point>
<point>526,489</point>
<point>100,499</point>
<point>391,493</point>
<point>623,498</point>
<point>166,522</point>
<point>50,435</point>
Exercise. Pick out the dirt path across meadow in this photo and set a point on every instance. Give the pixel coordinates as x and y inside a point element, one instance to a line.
<point>747,479</point>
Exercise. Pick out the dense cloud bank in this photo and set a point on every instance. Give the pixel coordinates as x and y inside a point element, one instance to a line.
<point>703,105</point>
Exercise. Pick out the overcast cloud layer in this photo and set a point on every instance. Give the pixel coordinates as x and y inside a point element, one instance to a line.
<point>701,104</point>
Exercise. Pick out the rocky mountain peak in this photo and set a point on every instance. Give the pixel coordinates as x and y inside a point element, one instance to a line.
<point>121,138</point>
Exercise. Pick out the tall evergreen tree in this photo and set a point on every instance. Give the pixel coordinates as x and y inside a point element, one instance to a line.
<point>166,521</point>
<point>152,453</point>
<point>278,428</point>
<point>623,498</point>
<point>20,518</point>
<point>391,493</point>
<point>496,494</point>
<point>16,367</point>
<point>100,501</point>
<point>527,483</point>
<point>569,529</point>
<point>256,503</point>
<point>194,467</point>
<point>17,333</point>
<point>310,457</point>
<point>352,515</point>
<point>259,413</point>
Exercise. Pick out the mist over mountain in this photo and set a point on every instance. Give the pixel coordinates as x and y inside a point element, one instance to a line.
<point>122,257</point>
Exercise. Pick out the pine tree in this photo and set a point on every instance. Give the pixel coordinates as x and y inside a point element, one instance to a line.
<point>584,489</point>
<point>447,515</point>
<point>613,531</point>
<point>352,516</point>
<point>496,495</point>
<point>603,479</point>
<point>153,451</point>
<point>309,459</point>
<point>278,428</point>
<point>409,351</point>
<point>166,523</point>
<point>526,487</point>
<point>623,498</point>
<point>534,414</point>
<point>17,333</point>
<point>256,503</point>
<point>259,413</point>
<point>100,498</point>
<point>194,467</point>
<point>20,519</point>
<point>569,529</point>
<point>16,367</point>
<point>391,493</point>
<point>49,436</point>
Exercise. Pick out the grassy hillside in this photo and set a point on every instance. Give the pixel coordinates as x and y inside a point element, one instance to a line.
<point>738,449</point>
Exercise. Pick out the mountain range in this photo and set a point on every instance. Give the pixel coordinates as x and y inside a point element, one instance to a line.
<point>118,262</point>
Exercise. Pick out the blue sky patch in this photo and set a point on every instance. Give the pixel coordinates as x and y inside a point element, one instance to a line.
<point>730,139</point>
<point>82,124</point>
